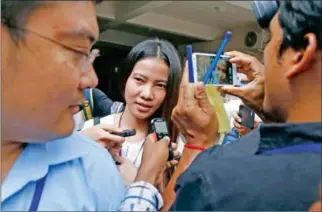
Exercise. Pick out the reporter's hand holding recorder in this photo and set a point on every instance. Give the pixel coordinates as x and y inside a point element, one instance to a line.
<point>154,159</point>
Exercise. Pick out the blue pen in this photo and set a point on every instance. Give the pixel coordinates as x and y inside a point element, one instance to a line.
<point>190,66</point>
<point>219,52</point>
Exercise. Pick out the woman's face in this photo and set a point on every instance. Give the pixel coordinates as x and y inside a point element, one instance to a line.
<point>145,89</point>
<point>221,71</point>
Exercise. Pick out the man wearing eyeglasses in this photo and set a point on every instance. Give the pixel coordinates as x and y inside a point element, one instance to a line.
<point>46,65</point>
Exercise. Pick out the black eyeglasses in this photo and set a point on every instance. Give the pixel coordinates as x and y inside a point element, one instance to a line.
<point>88,58</point>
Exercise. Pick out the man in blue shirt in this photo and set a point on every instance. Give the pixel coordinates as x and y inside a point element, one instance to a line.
<point>46,65</point>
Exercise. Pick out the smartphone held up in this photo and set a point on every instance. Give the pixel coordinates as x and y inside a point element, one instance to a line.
<point>224,73</point>
<point>247,117</point>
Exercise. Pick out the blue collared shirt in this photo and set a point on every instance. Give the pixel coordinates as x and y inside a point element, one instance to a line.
<point>81,175</point>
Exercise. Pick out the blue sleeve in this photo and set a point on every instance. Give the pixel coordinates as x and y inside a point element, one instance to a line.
<point>231,137</point>
<point>102,104</point>
<point>107,186</point>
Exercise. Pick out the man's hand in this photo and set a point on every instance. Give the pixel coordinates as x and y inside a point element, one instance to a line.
<point>240,128</point>
<point>252,94</point>
<point>154,159</point>
<point>101,134</point>
<point>176,154</point>
<point>127,170</point>
<point>193,115</point>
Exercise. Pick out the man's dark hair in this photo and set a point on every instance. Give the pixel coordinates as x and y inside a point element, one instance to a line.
<point>298,18</point>
<point>15,13</point>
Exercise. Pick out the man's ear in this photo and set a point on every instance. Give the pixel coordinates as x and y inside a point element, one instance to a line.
<point>302,59</point>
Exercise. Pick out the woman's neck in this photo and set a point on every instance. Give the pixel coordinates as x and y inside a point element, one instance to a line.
<point>129,121</point>
<point>10,151</point>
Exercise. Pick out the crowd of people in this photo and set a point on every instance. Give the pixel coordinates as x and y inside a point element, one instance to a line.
<point>59,154</point>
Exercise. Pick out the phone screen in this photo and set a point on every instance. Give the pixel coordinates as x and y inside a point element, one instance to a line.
<point>222,73</point>
<point>161,127</point>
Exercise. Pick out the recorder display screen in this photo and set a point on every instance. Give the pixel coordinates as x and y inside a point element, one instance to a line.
<point>161,127</point>
<point>222,74</point>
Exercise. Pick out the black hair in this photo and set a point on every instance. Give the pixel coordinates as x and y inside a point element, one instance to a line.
<point>298,18</point>
<point>16,13</point>
<point>167,52</point>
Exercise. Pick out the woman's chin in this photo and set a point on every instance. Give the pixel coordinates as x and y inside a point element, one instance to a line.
<point>142,115</point>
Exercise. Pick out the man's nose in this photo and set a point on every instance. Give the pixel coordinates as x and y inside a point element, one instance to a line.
<point>88,78</point>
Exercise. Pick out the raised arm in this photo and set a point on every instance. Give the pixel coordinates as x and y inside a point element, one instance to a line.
<point>197,121</point>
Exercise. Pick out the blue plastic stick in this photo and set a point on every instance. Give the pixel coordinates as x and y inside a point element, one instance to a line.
<point>190,66</point>
<point>218,53</point>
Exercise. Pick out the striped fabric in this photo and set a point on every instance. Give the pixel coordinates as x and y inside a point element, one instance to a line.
<point>141,196</point>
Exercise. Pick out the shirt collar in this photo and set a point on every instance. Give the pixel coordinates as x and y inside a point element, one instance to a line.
<point>273,136</point>
<point>67,149</point>
<point>34,161</point>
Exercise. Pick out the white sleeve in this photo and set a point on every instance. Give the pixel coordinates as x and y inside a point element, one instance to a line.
<point>105,120</point>
<point>141,196</point>
<point>88,124</point>
<point>180,143</point>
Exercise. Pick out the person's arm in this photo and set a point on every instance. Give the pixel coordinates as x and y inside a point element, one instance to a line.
<point>142,194</point>
<point>197,121</point>
<point>192,194</point>
<point>169,194</point>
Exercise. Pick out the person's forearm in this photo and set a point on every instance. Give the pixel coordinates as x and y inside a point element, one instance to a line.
<point>169,194</point>
<point>142,194</point>
<point>146,176</point>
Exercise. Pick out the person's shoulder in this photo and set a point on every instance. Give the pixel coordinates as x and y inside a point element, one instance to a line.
<point>96,154</point>
<point>236,183</point>
<point>96,164</point>
<point>103,176</point>
<point>246,145</point>
<point>88,124</point>
<point>264,180</point>
<point>76,146</point>
<point>104,120</point>
<point>97,93</point>
<point>87,142</point>
<point>227,177</point>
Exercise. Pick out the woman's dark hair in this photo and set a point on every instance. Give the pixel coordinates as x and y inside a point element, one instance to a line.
<point>298,18</point>
<point>165,51</point>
